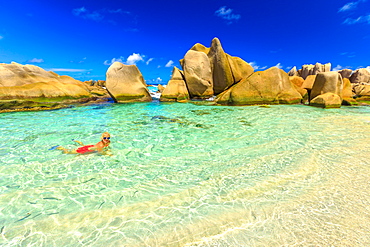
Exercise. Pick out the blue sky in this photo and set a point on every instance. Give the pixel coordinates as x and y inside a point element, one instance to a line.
<point>82,38</point>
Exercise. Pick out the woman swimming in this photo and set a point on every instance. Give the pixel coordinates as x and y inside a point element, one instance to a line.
<point>85,149</point>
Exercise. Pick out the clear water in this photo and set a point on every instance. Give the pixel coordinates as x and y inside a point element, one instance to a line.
<point>187,175</point>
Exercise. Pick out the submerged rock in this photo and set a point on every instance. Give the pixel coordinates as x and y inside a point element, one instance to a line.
<point>125,83</point>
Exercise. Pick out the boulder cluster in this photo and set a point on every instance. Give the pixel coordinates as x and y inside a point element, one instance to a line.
<point>212,73</point>
<point>28,87</point>
<point>208,73</point>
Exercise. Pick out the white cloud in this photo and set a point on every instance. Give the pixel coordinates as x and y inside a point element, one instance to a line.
<point>348,6</point>
<point>169,64</point>
<point>1,37</point>
<point>361,19</point>
<point>134,58</point>
<point>257,67</point>
<point>98,15</point>
<point>131,60</point>
<point>279,66</point>
<point>86,14</point>
<point>227,14</point>
<point>107,62</point>
<point>158,79</point>
<point>149,60</point>
<point>36,60</point>
<point>351,5</point>
<point>337,68</point>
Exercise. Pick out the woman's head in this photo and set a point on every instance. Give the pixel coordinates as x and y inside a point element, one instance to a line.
<point>105,137</point>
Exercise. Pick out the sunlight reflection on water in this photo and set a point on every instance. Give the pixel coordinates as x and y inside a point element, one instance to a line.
<point>187,175</point>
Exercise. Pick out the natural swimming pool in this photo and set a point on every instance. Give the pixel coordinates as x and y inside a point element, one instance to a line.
<point>187,175</point>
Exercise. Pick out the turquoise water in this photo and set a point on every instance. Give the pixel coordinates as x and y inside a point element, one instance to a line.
<point>187,175</point>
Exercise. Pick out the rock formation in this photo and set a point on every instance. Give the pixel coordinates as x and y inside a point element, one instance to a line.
<point>345,73</point>
<point>126,84</point>
<point>310,69</point>
<point>298,81</point>
<point>176,89</point>
<point>263,87</point>
<point>308,82</point>
<point>347,94</point>
<point>221,71</point>
<point>327,100</point>
<point>362,92</point>
<point>198,74</point>
<point>31,87</point>
<point>360,76</point>
<point>226,70</point>
<point>293,71</point>
<point>328,88</point>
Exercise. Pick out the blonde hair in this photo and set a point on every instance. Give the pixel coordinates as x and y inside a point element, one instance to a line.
<point>105,133</point>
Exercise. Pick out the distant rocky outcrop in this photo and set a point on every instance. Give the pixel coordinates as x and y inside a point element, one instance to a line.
<point>293,71</point>
<point>310,69</point>
<point>28,87</point>
<point>271,86</point>
<point>362,92</point>
<point>360,76</point>
<point>176,89</point>
<point>125,83</point>
<point>345,73</point>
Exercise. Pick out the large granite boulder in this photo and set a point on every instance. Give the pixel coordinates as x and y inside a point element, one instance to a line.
<point>310,69</point>
<point>347,93</point>
<point>327,100</point>
<point>325,86</point>
<point>240,69</point>
<point>271,86</point>
<point>308,82</point>
<point>198,74</point>
<point>200,47</point>
<point>360,76</point>
<point>28,87</point>
<point>176,89</point>
<point>362,92</point>
<point>226,70</point>
<point>327,82</point>
<point>125,83</point>
<point>221,70</point>
<point>298,81</point>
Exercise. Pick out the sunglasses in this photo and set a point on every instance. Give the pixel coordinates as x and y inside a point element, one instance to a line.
<point>105,138</point>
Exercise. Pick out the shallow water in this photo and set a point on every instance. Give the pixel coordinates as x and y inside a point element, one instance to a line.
<point>187,175</point>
